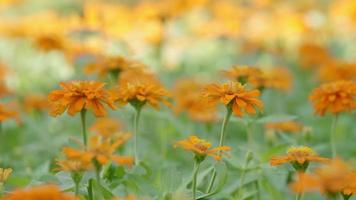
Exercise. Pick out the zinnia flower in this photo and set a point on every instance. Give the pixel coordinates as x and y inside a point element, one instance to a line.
<point>235,95</point>
<point>44,192</point>
<point>78,95</point>
<point>101,150</point>
<point>187,95</point>
<point>112,64</point>
<point>334,177</point>
<point>74,161</point>
<point>334,97</point>
<point>138,89</point>
<point>106,126</point>
<point>299,157</point>
<point>49,42</point>
<point>243,74</point>
<point>337,71</point>
<point>201,148</point>
<point>312,55</point>
<point>6,113</point>
<point>278,78</point>
<point>35,102</point>
<point>286,127</point>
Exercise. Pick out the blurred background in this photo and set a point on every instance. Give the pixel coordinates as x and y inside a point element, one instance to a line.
<point>43,42</point>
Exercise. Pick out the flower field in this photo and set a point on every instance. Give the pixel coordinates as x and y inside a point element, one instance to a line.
<point>177,100</point>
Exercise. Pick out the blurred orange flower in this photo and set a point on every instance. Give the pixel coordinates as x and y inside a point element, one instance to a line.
<point>278,78</point>
<point>35,102</point>
<point>74,161</point>
<point>313,55</point>
<point>334,177</point>
<point>187,95</point>
<point>7,112</point>
<point>49,42</point>
<point>201,147</point>
<point>334,97</point>
<point>112,64</point>
<point>288,126</point>
<point>43,192</point>
<point>106,126</point>
<point>243,74</point>
<point>299,157</point>
<point>79,95</point>
<point>336,71</point>
<point>101,150</point>
<point>235,95</point>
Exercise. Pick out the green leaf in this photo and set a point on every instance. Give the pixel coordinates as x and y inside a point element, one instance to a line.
<point>221,170</point>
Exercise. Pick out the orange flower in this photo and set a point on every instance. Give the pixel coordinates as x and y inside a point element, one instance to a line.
<point>4,90</point>
<point>187,95</point>
<point>102,150</point>
<point>336,71</point>
<point>138,88</point>
<point>312,55</point>
<point>7,113</point>
<point>44,192</point>
<point>201,147</point>
<point>36,102</point>
<point>74,161</point>
<point>235,95</point>
<point>278,78</point>
<point>79,95</point>
<point>243,74</point>
<point>112,64</point>
<point>334,97</point>
<point>299,157</point>
<point>288,126</point>
<point>335,177</point>
<point>106,126</point>
<point>49,42</point>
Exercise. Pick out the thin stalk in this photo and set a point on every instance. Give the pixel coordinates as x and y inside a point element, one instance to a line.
<point>97,174</point>
<point>76,189</point>
<point>90,190</point>
<point>98,168</point>
<point>332,136</point>
<point>84,131</point>
<point>194,178</point>
<point>243,174</point>
<point>136,121</point>
<point>299,196</point>
<point>221,143</point>
<point>249,135</point>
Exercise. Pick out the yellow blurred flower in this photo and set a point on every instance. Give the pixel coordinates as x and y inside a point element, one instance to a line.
<point>4,174</point>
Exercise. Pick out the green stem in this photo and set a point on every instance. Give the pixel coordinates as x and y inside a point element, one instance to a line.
<point>221,143</point>
<point>77,177</point>
<point>97,166</point>
<point>76,189</point>
<point>136,121</point>
<point>243,174</point>
<point>84,131</point>
<point>249,136</point>
<point>298,196</point>
<point>194,179</point>
<point>90,190</point>
<point>332,136</point>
